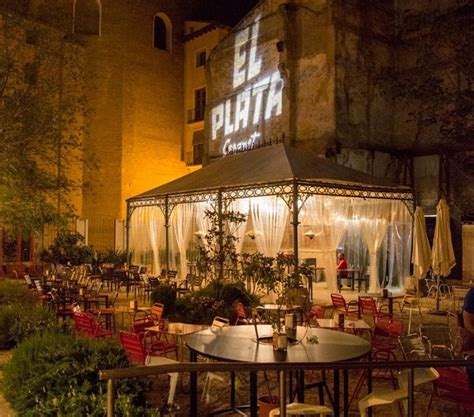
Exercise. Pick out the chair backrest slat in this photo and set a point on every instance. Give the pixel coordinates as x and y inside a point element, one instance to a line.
<point>133,346</point>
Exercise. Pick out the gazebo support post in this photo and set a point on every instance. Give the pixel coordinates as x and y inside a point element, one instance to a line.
<point>127,233</point>
<point>167,233</point>
<point>295,223</point>
<point>221,234</point>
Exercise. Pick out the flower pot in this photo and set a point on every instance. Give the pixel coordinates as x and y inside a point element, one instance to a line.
<point>266,404</point>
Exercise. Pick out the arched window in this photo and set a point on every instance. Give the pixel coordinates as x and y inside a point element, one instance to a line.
<point>162,32</point>
<point>87,17</point>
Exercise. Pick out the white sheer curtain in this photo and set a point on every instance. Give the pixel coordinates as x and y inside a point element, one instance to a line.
<point>242,205</point>
<point>147,235</point>
<point>374,217</point>
<point>269,217</point>
<point>399,250</point>
<point>181,225</point>
<point>328,218</point>
<point>202,221</point>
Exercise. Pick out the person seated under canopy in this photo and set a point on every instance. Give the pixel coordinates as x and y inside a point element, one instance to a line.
<point>341,266</point>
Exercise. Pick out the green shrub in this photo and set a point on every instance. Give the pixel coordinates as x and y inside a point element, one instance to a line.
<point>19,321</point>
<point>68,247</point>
<point>15,292</point>
<point>166,295</point>
<point>217,299</point>
<point>57,375</point>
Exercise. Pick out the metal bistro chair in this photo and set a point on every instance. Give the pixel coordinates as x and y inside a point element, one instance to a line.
<point>458,294</point>
<point>217,324</point>
<point>368,307</point>
<point>153,339</point>
<point>350,309</point>
<point>393,397</point>
<point>133,345</point>
<point>412,347</point>
<point>438,340</point>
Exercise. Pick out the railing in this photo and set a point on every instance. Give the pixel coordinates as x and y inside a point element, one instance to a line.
<point>111,375</point>
<point>195,115</point>
<point>191,159</point>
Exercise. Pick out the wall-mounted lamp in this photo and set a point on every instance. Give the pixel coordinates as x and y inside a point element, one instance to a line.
<point>252,233</point>
<point>311,234</point>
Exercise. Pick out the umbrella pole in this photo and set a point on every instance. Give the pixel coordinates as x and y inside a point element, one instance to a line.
<point>437,311</point>
<point>437,293</point>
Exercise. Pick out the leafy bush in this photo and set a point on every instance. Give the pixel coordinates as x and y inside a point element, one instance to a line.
<point>15,292</point>
<point>19,321</point>
<point>217,299</point>
<point>57,375</point>
<point>111,256</point>
<point>166,295</point>
<point>68,247</point>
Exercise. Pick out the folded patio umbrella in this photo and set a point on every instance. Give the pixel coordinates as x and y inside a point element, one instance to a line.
<point>421,256</point>
<point>443,253</point>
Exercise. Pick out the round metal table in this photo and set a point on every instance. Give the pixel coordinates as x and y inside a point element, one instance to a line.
<point>238,343</point>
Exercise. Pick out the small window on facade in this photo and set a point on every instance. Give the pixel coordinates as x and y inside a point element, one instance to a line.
<point>199,103</point>
<point>200,58</point>
<point>198,153</point>
<point>159,29</point>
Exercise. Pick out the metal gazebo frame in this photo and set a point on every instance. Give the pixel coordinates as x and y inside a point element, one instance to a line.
<point>292,190</point>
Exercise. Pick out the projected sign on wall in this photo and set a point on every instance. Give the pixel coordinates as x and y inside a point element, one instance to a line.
<point>256,97</point>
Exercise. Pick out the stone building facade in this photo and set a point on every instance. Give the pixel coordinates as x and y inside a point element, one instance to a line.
<point>132,75</point>
<point>335,77</point>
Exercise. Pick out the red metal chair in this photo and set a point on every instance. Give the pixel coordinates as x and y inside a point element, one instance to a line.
<point>385,342</point>
<point>350,309</point>
<point>153,338</point>
<point>241,315</point>
<point>452,385</point>
<point>368,307</point>
<point>156,314</point>
<point>386,333</point>
<point>87,325</point>
<point>316,312</point>
<point>133,344</point>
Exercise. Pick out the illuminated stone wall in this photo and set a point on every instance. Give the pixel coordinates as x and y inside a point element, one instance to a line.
<point>274,78</point>
<point>135,127</point>
<point>246,101</point>
<point>134,123</point>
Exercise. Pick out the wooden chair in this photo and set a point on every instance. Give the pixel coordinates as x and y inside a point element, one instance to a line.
<point>133,345</point>
<point>86,325</point>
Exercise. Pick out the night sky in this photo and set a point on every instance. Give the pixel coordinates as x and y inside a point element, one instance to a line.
<point>227,12</point>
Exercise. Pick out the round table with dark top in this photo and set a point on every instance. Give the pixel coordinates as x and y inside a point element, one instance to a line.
<point>239,343</point>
